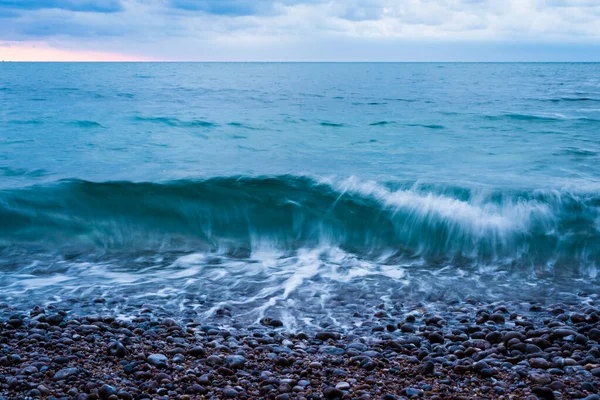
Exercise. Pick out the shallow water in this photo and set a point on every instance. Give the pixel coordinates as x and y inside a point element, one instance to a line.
<point>307,192</point>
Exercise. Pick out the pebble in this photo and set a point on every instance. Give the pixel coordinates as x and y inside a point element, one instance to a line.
<point>117,349</point>
<point>230,393</point>
<point>235,361</point>
<point>543,393</point>
<point>106,391</point>
<point>540,363</point>
<point>333,393</point>
<point>324,336</point>
<point>214,360</point>
<point>158,360</point>
<point>412,392</point>
<point>65,373</point>
<point>197,351</point>
<point>540,378</point>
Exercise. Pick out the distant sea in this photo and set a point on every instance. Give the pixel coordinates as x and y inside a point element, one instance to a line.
<point>303,191</point>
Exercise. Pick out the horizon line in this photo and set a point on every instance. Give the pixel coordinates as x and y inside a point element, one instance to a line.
<point>292,62</point>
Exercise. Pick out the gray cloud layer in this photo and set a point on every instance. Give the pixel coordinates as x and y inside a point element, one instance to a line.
<point>99,6</point>
<point>284,29</point>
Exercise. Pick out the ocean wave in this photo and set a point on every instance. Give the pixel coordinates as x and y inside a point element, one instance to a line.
<point>242,126</point>
<point>538,118</point>
<point>382,123</point>
<point>238,214</point>
<point>175,122</point>
<point>14,172</point>
<point>571,99</point>
<point>524,117</point>
<point>579,152</point>
<point>428,126</point>
<point>34,121</point>
<point>86,124</point>
<point>371,103</point>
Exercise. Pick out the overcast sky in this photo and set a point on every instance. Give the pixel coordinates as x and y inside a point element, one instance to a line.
<point>301,30</point>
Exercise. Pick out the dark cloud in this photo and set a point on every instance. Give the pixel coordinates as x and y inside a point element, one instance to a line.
<point>55,27</point>
<point>99,6</point>
<point>224,7</point>
<point>236,8</point>
<point>8,14</point>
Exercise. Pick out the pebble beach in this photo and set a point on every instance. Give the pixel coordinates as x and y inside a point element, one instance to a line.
<point>473,351</point>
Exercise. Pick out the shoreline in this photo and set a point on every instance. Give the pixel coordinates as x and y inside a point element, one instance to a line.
<point>486,351</point>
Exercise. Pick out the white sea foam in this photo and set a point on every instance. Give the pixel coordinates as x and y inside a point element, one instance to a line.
<point>478,217</point>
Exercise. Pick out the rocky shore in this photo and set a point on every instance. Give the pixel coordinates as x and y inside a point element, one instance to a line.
<point>470,351</point>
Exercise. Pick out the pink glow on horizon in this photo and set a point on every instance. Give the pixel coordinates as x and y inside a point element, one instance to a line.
<point>40,51</point>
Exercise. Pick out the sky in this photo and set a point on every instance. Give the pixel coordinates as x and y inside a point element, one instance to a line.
<point>300,30</point>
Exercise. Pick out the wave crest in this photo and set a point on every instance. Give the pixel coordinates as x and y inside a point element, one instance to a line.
<point>240,214</point>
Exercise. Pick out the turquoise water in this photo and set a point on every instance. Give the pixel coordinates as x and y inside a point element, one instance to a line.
<point>264,184</point>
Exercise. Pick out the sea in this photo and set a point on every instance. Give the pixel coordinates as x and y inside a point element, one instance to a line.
<point>306,192</point>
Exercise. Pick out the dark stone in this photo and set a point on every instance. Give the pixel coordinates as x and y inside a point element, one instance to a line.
<point>494,337</point>
<point>15,358</point>
<point>486,373</point>
<point>61,360</point>
<point>324,336</point>
<point>124,395</point>
<point>543,392</point>
<point>55,319</point>
<point>478,366</point>
<point>168,322</point>
<point>532,349</point>
<point>197,389</point>
<point>117,349</point>
<point>197,351</point>
<point>538,378</point>
<point>225,371</point>
<point>577,318</point>
<point>271,322</point>
<point>412,392</point>
<point>539,362</point>
<point>235,361</point>
<point>428,367</point>
<point>497,318</point>
<point>213,360</point>
<point>65,373</point>
<point>15,322</point>
<point>332,393</point>
<point>436,338</point>
<point>106,391</point>
<point>230,392</point>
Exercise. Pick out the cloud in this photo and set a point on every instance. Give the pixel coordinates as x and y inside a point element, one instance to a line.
<point>239,8</point>
<point>304,29</point>
<point>99,6</point>
<point>224,7</point>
